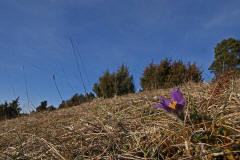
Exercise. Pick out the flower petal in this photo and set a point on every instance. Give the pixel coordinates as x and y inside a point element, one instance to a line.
<point>165,101</point>
<point>164,104</point>
<point>158,106</point>
<point>167,108</point>
<point>177,96</point>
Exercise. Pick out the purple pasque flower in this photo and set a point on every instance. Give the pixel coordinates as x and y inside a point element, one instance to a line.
<point>175,106</point>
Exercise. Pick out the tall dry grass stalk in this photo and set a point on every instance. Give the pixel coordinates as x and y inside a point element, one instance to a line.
<point>55,83</point>
<point>32,107</point>
<point>26,88</point>
<point>78,64</point>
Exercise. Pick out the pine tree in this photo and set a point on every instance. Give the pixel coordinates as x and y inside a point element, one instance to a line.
<point>118,83</point>
<point>147,80</point>
<point>42,106</point>
<point>123,81</point>
<point>227,57</point>
<point>177,73</point>
<point>169,74</point>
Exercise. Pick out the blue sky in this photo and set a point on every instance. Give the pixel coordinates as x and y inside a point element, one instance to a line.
<point>106,33</point>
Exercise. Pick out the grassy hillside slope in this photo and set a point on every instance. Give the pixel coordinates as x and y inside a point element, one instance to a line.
<point>127,127</point>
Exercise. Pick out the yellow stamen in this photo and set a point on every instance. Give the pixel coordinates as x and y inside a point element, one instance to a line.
<point>173,105</point>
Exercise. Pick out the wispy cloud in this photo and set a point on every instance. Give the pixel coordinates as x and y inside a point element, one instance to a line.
<point>223,19</point>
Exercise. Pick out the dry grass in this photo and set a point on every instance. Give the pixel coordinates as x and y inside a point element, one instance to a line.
<point>127,127</point>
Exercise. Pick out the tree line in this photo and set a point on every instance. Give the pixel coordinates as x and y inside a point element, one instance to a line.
<point>167,73</point>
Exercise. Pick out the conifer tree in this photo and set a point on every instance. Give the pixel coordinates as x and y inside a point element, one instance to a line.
<point>227,57</point>
<point>42,106</point>
<point>123,81</point>
<point>118,83</point>
<point>169,74</point>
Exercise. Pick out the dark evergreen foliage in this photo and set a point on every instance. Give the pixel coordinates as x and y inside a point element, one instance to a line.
<point>89,96</point>
<point>123,81</point>
<point>96,89</point>
<point>147,81</point>
<point>10,110</point>
<point>178,73</point>
<point>156,76</point>
<point>169,74</point>
<point>227,57</point>
<point>106,85</point>
<point>118,83</point>
<point>62,105</point>
<point>42,106</point>
<point>193,73</point>
<point>51,108</point>
<point>77,100</point>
